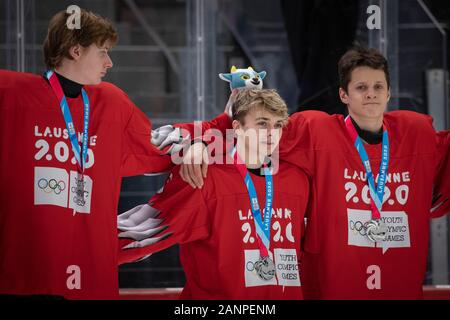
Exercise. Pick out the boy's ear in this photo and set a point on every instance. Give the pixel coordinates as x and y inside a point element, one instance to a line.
<point>262,74</point>
<point>343,95</point>
<point>75,52</point>
<point>236,125</point>
<point>225,76</point>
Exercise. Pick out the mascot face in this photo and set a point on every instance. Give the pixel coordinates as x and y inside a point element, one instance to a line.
<point>244,78</point>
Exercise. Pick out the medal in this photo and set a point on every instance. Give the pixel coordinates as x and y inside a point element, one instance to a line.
<point>79,191</point>
<point>376,230</point>
<point>265,268</point>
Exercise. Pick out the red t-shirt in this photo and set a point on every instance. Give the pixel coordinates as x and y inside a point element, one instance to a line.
<point>339,261</point>
<point>215,228</point>
<point>44,248</point>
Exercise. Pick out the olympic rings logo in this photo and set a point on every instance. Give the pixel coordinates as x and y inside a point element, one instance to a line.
<point>51,185</point>
<point>251,265</point>
<point>357,227</point>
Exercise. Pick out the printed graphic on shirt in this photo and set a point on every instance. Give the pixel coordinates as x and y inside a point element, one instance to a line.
<point>396,222</point>
<point>51,186</point>
<point>286,266</point>
<point>251,276</point>
<point>285,259</point>
<point>396,194</point>
<point>55,185</point>
<point>281,227</point>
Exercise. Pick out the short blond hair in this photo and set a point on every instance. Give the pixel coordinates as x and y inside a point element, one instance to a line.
<point>267,99</point>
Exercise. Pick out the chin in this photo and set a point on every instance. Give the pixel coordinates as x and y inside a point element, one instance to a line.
<point>374,115</point>
<point>95,82</point>
<point>371,113</point>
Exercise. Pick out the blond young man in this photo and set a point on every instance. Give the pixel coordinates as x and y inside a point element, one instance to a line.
<point>240,234</point>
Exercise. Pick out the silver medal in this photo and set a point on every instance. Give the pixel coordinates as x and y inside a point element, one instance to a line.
<point>79,191</point>
<point>376,230</point>
<point>265,268</point>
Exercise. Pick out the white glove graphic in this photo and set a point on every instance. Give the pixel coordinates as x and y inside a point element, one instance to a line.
<point>141,224</point>
<point>168,135</point>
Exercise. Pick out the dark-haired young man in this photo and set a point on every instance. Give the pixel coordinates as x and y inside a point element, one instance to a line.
<point>372,184</point>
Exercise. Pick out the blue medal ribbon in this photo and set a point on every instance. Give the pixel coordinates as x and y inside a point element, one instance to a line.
<point>56,86</point>
<point>376,193</point>
<point>262,227</point>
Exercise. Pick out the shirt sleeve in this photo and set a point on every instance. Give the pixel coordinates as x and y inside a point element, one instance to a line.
<point>175,215</point>
<point>296,145</point>
<point>441,189</point>
<point>139,155</point>
<point>216,126</point>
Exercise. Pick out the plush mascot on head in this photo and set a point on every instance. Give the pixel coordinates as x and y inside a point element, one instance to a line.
<point>168,136</point>
<point>244,78</point>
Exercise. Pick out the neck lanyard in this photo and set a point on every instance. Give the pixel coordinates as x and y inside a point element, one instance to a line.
<point>376,194</point>
<point>57,89</point>
<point>262,227</point>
